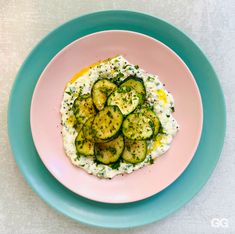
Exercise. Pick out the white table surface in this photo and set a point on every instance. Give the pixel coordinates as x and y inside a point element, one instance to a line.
<point>210,23</point>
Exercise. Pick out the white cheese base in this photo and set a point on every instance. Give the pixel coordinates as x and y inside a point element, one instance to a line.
<point>157,96</point>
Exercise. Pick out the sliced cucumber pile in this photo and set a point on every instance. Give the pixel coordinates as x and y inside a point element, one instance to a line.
<point>110,114</point>
<point>126,98</point>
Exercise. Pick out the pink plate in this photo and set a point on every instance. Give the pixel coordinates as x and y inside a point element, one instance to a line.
<point>152,56</point>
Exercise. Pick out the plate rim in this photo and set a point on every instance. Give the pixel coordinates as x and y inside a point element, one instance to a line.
<point>10,136</point>
<point>91,197</point>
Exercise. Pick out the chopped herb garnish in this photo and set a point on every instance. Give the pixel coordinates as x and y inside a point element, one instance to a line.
<point>160,129</point>
<point>112,150</point>
<point>116,165</point>
<point>151,124</point>
<point>125,66</point>
<point>117,78</point>
<point>97,162</point>
<point>151,161</point>
<point>109,114</point>
<point>128,147</point>
<point>150,78</point>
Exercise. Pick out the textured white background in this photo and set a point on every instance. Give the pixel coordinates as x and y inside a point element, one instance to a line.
<point>210,23</point>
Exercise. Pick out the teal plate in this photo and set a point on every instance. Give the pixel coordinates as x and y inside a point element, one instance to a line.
<point>117,215</point>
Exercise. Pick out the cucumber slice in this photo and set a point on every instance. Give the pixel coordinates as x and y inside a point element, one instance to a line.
<point>107,122</point>
<point>109,152</point>
<point>134,151</point>
<point>136,83</point>
<point>126,98</point>
<point>100,92</point>
<point>87,129</point>
<point>138,127</point>
<point>150,114</point>
<point>83,146</point>
<point>83,108</point>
